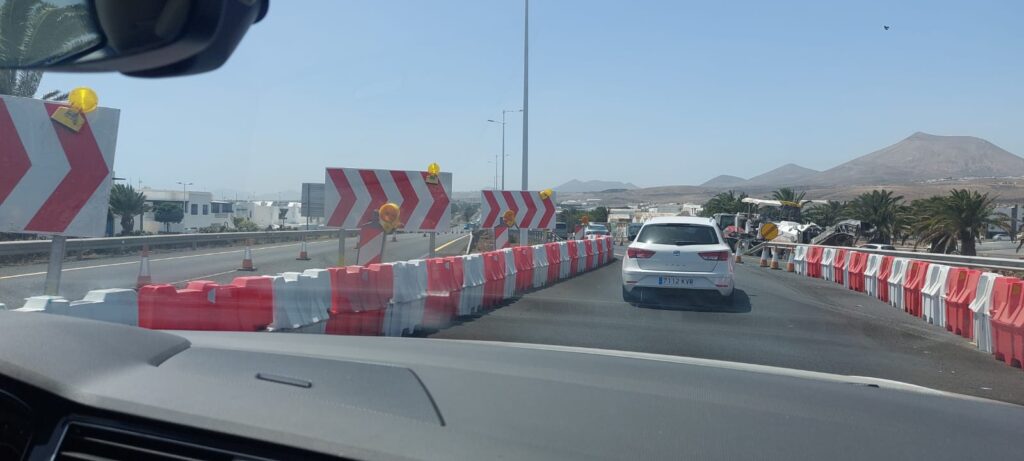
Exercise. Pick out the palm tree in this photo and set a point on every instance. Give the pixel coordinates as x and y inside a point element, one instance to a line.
<point>963,217</point>
<point>725,202</point>
<point>126,202</point>
<point>883,210</point>
<point>921,210</point>
<point>786,194</point>
<point>826,214</point>
<point>33,30</point>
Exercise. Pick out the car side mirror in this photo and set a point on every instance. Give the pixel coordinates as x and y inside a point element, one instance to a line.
<point>144,38</point>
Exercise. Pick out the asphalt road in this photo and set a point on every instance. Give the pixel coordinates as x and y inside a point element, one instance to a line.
<point>999,249</point>
<point>217,264</point>
<point>777,318</point>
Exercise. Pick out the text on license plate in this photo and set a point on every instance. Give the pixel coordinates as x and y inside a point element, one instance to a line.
<point>675,281</point>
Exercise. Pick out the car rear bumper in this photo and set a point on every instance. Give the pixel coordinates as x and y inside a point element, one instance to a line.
<point>722,282</point>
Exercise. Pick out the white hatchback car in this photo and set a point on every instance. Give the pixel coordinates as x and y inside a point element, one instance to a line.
<point>677,253</point>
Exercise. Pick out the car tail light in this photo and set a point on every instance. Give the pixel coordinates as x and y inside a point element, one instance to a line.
<point>715,255</point>
<point>639,253</point>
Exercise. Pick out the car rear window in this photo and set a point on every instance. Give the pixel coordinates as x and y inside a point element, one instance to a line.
<point>678,234</point>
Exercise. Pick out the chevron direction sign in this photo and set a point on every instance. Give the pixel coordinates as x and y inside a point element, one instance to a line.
<point>531,211</point>
<point>351,196</point>
<point>54,180</point>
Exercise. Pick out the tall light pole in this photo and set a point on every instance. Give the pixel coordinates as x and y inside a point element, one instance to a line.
<point>503,155</point>
<point>494,183</point>
<point>184,196</point>
<point>523,233</point>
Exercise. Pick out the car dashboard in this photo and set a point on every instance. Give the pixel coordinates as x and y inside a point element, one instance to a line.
<point>84,390</point>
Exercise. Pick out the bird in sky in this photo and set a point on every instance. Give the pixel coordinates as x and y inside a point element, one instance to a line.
<point>886,27</point>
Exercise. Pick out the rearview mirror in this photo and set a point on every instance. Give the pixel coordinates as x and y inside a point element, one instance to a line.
<point>145,38</point>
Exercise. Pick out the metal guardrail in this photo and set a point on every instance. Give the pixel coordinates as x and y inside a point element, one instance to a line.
<point>25,247</point>
<point>977,262</point>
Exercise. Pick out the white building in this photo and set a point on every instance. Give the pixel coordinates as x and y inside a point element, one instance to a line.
<point>274,214</point>
<point>200,210</point>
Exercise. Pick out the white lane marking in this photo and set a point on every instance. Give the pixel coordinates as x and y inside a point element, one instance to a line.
<point>99,266</point>
<point>445,246</point>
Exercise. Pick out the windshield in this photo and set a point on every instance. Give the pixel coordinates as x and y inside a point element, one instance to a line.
<point>411,169</point>
<point>678,234</point>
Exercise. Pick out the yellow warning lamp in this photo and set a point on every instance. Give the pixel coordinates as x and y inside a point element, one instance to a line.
<point>388,214</point>
<point>545,194</point>
<point>83,99</point>
<point>509,218</point>
<point>432,171</point>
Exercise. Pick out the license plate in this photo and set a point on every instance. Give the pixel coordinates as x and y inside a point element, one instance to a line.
<point>675,281</point>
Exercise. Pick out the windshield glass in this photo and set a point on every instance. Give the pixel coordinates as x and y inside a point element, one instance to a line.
<point>418,169</point>
<point>678,234</point>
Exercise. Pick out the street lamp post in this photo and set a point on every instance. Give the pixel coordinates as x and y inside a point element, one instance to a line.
<point>523,233</point>
<point>503,155</point>
<point>495,181</point>
<point>184,198</point>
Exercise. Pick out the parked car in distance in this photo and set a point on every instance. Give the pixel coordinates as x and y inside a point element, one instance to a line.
<point>562,230</point>
<point>595,230</point>
<point>878,246</point>
<point>677,252</point>
<point>1001,237</point>
<point>633,230</point>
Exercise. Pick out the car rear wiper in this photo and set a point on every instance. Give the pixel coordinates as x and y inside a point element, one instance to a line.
<point>686,242</point>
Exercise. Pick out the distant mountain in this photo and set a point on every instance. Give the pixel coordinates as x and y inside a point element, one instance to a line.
<point>786,175</point>
<point>593,186</point>
<point>724,180</point>
<point>925,156</point>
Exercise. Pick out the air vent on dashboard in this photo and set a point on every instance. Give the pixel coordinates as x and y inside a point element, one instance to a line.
<point>96,443</point>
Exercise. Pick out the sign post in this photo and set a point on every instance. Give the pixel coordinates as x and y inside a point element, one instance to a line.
<point>53,267</point>
<point>55,178</point>
<point>341,247</point>
<point>433,244</point>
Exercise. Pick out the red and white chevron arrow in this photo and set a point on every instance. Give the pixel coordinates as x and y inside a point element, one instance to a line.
<point>352,195</point>
<point>531,211</point>
<point>54,180</point>
<point>501,237</point>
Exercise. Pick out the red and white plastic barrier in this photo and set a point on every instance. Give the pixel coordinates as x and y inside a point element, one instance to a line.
<point>377,299</point>
<point>827,258</point>
<point>1007,322</point>
<point>982,306</point>
<point>933,295</point>
<point>874,263</point>
<point>800,260</point>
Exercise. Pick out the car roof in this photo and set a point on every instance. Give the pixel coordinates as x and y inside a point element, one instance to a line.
<point>681,220</point>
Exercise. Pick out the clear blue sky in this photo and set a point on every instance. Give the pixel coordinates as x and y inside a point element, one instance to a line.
<point>651,92</point>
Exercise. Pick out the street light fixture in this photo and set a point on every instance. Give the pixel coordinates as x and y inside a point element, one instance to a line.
<point>184,196</point>
<point>503,155</point>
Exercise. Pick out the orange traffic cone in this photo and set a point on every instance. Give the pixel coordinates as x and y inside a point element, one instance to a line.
<point>247,259</point>
<point>303,254</point>
<point>144,277</point>
<point>764,256</point>
<point>775,259</point>
<point>790,265</point>
<point>739,252</point>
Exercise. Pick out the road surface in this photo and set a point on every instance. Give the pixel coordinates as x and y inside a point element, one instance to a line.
<point>217,264</point>
<point>777,318</point>
<point>999,249</point>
